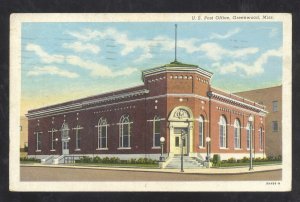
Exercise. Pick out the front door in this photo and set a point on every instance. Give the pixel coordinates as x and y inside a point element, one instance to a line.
<point>65,138</point>
<point>180,140</point>
<point>65,147</point>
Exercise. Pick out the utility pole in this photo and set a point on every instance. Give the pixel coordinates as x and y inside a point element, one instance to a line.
<point>175,43</point>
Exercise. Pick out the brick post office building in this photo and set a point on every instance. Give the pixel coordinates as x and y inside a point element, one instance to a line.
<point>128,123</point>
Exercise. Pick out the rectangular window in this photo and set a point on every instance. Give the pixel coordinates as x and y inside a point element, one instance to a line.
<point>156,133</point>
<point>260,139</point>
<point>103,137</point>
<point>78,138</point>
<point>52,140</point>
<point>201,139</point>
<point>222,137</point>
<point>176,141</point>
<point>275,106</point>
<point>237,141</point>
<point>38,141</point>
<point>125,135</point>
<point>274,126</point>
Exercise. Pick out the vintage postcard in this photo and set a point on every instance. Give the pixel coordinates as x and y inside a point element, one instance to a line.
<point>150,102</point>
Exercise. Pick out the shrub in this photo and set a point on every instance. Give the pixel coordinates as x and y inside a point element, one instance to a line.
<point>216,160</point>
<point>279,158</point>
<point>245,159</point>
<point>258,159</point>
<point>133,161</point>
<point>86,159</point>
<point>231,160</point>
<point>115,160</point>
<point>123,161</point>
<point>270,157</point>
<point>30,159</point>
<point>106,160</point>
<point>97,159</point>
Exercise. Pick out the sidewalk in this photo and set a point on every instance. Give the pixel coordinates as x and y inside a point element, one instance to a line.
<point>236,170</point>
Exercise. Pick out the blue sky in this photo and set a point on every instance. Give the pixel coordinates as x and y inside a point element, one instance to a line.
<point>65,61</point>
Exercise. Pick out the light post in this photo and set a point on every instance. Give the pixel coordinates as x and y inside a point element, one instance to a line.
<point>182,139</point>
<point>162,142</point>
<point>56,140</point>
<point>250,133</point>
<point>207,139</point>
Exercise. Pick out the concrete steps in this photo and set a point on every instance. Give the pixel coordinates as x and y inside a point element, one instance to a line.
<point>188,162</point>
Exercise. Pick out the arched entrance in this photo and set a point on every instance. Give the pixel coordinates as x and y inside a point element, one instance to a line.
<point>181,121</point>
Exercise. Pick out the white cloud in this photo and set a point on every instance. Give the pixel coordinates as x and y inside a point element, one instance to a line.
<point>252,69</point>
<point>97,69</point>
<point>127,45</point>
<point>82,47</point>
<point>273,32</point>
<point>52,70</point>
<point>44,56</point>
<point>216,52</point>
<point>225,36</point>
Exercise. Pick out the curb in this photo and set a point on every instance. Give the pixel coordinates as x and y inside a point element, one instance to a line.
<point>176,171</point>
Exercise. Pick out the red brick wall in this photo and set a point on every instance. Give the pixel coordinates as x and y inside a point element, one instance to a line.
<point>142,108</point>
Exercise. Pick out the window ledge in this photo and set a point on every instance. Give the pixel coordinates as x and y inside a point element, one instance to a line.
<point>238,149</point>
<point>155,147</point>
<point>38,150</point>
<point>102,149</point>
<point>201,147</point>
<point>120,148</point>
<point>77,150</point>
<point>224,148</point>
<point>52,150</point>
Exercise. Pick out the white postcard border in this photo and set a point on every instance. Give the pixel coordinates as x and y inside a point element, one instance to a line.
<point>15,93</point>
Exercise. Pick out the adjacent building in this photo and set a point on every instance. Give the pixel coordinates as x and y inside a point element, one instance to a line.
<point>176,102</point>
<point>23,133</point>
<point>272,99</point>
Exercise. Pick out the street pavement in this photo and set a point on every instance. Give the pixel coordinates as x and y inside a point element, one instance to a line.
<point>227,170</point>
<point>80,173</point>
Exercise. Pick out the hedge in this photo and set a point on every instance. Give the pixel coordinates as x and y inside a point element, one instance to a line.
<point>115,160</point>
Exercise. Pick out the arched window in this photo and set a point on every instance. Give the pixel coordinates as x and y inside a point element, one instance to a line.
<point>156,131</point>
<point>223,132</point>
<point>78,137</point>
<point>38,141</point>
<point>102,133</point>
<point>248,135</point>
<point>201,131</point>
<point>124,131</point>
<point>52,135</point>
<point>237,134</point>
<point>261,139</point>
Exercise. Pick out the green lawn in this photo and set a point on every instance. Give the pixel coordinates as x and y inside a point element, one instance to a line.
<point>28,162</point>
<point>247,163</point>
<point>124,165</point>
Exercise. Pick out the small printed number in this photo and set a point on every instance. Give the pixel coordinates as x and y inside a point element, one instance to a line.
<point>272,183</point>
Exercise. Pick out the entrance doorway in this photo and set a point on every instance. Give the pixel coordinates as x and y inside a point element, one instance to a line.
<point>65,147</point>
<point>65,138</point>
<point>181,120</point>
<point>180,140</point>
